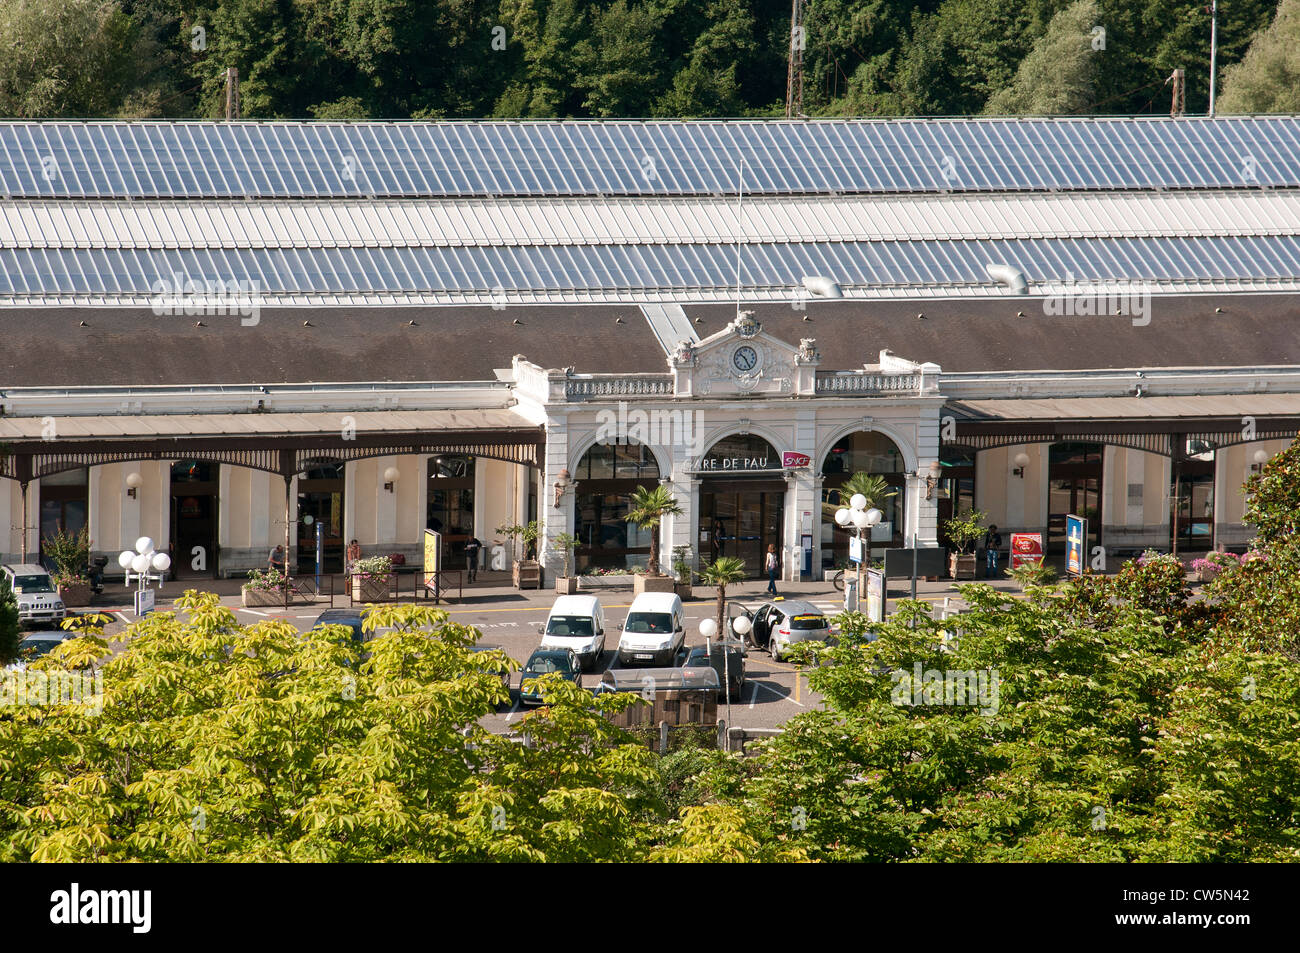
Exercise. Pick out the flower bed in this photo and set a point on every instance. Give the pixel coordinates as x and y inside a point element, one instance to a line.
<point>371,579</point>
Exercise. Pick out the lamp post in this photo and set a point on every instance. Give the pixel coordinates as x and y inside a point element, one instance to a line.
<point>861,518</point>
<point>137,565</point>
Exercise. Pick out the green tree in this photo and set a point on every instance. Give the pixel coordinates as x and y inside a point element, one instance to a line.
<point>721,573</point>
<point>1267,80</point>
<point>1058,75</point>
<point>11,632</point>
<point>647,508</point>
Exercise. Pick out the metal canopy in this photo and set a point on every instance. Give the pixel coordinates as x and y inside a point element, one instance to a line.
<point>338,160</point>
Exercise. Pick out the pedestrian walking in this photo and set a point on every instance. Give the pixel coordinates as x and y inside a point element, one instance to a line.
<point>771,564</point>
<point>472,547</point>
<point>992,545</point>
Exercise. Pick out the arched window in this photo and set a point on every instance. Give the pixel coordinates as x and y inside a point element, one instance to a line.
<point>870,452</point>
<point>607,474</point>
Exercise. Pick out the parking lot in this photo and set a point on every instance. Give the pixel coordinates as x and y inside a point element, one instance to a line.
<point>510,619</point>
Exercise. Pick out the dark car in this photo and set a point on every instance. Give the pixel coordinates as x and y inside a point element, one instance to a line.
<point>348,617</point>
<point>37,644</point>
<point>543,662</point>
<point>504,675</point>
<point>727,659</point>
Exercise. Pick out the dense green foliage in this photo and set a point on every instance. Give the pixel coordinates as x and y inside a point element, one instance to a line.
<point>423,59</point>
<point>11,632</point>
<point>1114,718</point>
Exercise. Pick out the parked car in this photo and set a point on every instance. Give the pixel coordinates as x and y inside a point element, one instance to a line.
<point>34,646</point>
<point>38,601</point>
<point>349,617</point>
<point>577,623</point>
<point>543,662</point>
<point>727,658</point>
<point>504,675</point>
<point>776,626</point>
<point>654,631</point>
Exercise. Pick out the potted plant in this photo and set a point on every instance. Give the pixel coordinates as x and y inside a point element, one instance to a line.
<point>527,571</point>
<point>647,509</point>
<point>566,584</point>
<point>71,555</point>
<point>371,578</point>
<point>682,567</point>
<point>265,587</point>
<point>965,532</point>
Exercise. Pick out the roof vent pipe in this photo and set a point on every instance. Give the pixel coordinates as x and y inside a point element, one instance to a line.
<point>1009,277</point>
<point>822,287</point>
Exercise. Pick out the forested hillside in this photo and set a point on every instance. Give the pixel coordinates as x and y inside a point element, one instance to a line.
<point>425,59</point>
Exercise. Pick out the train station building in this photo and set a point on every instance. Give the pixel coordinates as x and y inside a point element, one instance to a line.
<point>219,333</point>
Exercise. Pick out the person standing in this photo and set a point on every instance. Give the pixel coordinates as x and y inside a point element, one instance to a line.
<point>276,560</point>
<point>992,544</point>
<point>472,547</point>
<point>353,554</point>
<point>771,564</point>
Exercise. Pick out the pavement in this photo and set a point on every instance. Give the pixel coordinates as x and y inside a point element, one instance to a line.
<point>509,618</point>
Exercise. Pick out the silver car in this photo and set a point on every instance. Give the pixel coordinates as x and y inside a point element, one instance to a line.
<point>38,601</point>
<point>776,626</point>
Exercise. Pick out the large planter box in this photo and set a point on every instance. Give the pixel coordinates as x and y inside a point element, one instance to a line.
<point>643,583</point>
<point>262,597</point>
<point>371,588</point>
<point>75,595</point>
<point>528,574</point>
<point>961,566</point>
<point>685,591</point>
<point>566,585</point>
<point>605,582</point>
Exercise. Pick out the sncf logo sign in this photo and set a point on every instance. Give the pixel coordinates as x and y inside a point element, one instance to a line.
<point>793,460</point>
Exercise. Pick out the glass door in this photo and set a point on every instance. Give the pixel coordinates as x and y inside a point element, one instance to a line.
<point>1074,496</point>
<point>740,523</point>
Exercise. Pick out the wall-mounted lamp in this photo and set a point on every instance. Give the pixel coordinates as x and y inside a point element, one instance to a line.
<point>563,481</point>
<point>1021,461</point>
<point>133,482</point>
<point>391,476</point>
<point>1261,458</point>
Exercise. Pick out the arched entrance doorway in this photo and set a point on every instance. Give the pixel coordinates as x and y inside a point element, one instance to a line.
<point>1073,488</point>
<point>450,506</point>
<point>320,496</point>
<point>741,500</point>
<point>607,474</point>
<point>864,451</point>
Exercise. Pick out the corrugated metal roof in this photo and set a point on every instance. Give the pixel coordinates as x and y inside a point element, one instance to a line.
<point>128,426</point>
<point>283,224</point>
<point>1120,408</point>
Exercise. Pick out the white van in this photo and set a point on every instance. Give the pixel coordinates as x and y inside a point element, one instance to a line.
<point>576,623</point>
<point>654,631</point>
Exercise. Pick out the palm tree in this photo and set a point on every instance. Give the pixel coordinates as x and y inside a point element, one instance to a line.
<point>876,489</point>
<point>648,508</point>
<point>721,573</point>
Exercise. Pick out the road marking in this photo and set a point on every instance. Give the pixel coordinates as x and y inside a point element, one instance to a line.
<point>753,696</point>
<point>254,612</point>
<point>513,711</point>
<point>780,696</point>
<point>122,615</point>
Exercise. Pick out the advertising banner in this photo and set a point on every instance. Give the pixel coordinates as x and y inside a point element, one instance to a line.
<point>1076,532</point>
<point>432,559</point>
<point>876,595</point>
<point>1026,548</point>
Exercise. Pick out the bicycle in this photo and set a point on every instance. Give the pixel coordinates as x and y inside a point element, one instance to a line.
<point>838,580</point>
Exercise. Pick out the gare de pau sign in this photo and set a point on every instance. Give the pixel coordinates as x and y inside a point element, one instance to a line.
<point>748,454</point>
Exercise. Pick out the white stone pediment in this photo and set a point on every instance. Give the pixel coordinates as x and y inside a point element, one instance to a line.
<point>742,360</point>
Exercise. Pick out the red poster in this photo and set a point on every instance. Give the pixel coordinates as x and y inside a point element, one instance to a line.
<point>793,460</point>
<point>1026,548</point>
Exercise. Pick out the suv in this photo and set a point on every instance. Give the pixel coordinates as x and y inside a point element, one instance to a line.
<point>38,600</point>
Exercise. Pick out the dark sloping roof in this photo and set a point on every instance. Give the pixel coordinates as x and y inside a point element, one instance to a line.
<point>49,348</point>
<point>963,335</point>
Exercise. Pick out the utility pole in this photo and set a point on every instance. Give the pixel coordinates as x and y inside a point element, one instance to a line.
<point>794,78</point>
<point>1214,48</point>
<point>1179,105</point>
<point>232,93</point>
